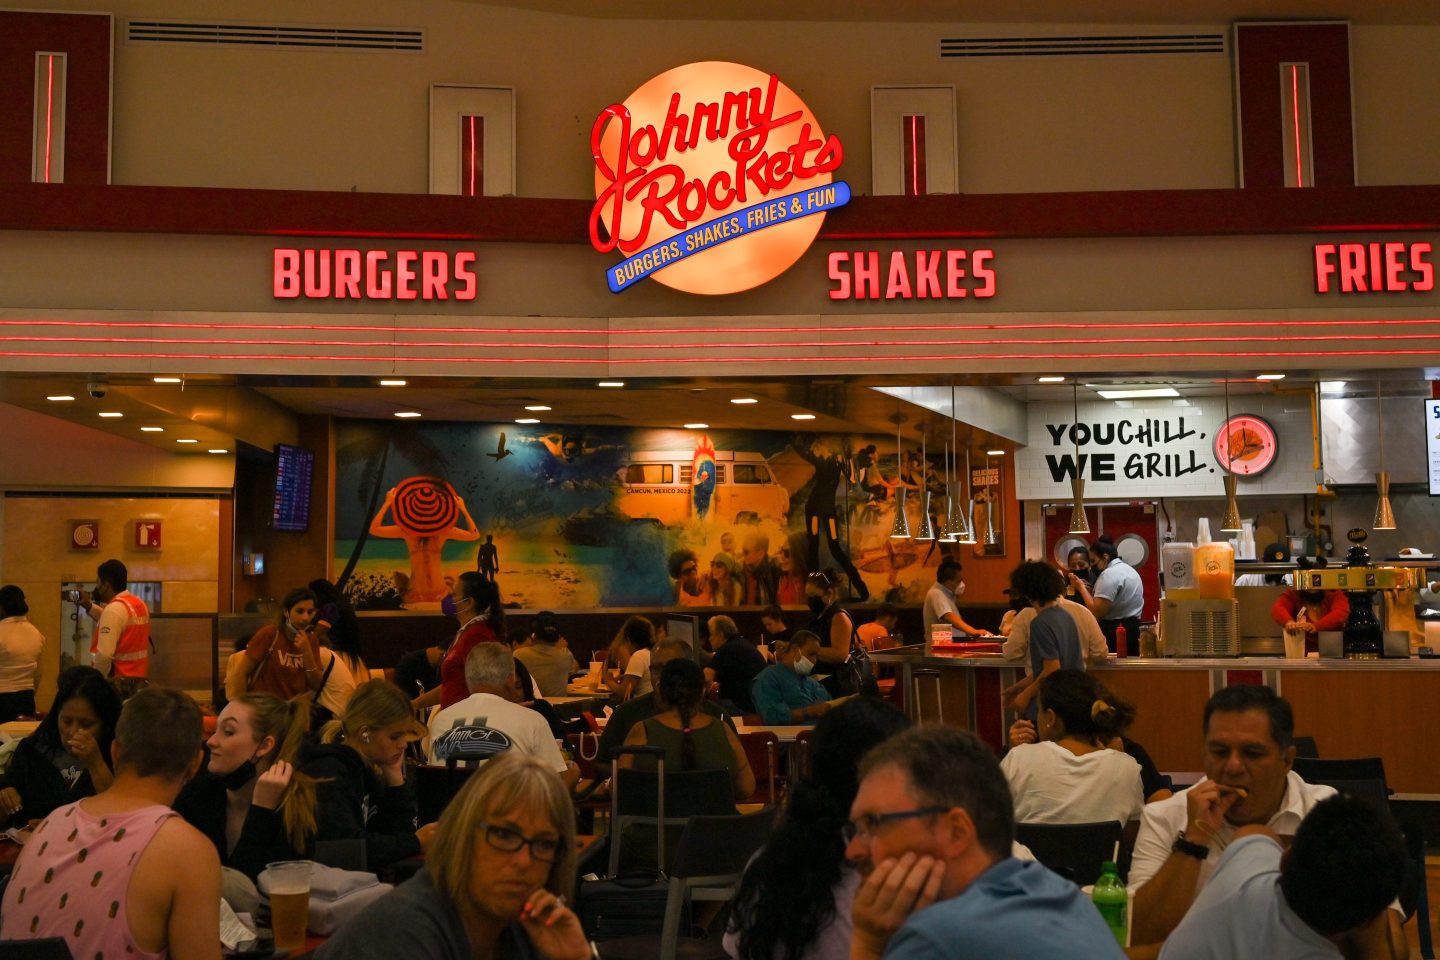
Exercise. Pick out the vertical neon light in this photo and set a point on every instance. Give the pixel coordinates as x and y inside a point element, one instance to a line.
<point>472,156</point>
<point>49,110</point>
<point>1295,123</point>
<point>912,137</point>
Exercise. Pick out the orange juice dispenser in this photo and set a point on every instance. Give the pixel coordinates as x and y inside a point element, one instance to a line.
<point>1214,566</point>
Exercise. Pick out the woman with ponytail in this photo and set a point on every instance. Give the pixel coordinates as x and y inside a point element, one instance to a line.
<point>794,901</point>
<point>251,801</point>
<point>359,769</point>
<point>691,739</point>
<point>1071,775</point>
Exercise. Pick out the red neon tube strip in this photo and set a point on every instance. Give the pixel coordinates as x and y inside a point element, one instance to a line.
<point>1295,122</point>
<point>49,109</point>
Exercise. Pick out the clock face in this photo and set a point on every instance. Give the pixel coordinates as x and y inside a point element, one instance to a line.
<point>1246,445</point>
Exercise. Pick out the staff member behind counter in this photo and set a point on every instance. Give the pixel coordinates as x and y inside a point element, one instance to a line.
<point>1118,596</point>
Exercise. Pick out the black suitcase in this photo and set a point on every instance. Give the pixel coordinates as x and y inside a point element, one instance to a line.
<point>633,902</point>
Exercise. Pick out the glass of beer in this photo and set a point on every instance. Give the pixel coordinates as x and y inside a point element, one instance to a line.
<point>288,883</point>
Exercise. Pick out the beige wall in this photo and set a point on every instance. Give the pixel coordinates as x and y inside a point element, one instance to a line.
<point>332,120</point>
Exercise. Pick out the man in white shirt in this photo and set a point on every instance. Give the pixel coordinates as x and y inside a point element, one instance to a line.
<point>1248,781</point>
<point>1324,900</point>
<point>490,675</point>
<point>21,646</point>
<point>940,602</point>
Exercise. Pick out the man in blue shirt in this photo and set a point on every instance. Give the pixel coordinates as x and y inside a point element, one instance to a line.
<point>931,830</point>
<point>1324,900</point>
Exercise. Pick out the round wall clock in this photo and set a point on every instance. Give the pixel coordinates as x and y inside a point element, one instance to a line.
<point>1245,444</point>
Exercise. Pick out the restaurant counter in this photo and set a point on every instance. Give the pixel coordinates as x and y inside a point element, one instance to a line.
<point>1353,708</point>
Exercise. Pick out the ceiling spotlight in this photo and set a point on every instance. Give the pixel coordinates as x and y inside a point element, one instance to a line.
<point>186,440</point>
<point>802,416</point>
<point>152,429</point>
<point>1049,379</point>
<point>537,407</point>
<point>526,420</point>
<point>744,400</point>
<point>392,383</point>
<point>994,453</point>
<point>407,414</point>
<point>611,383</point>
<point>167,379</point>
<point>697,426</point>
<point>111,414</point>
<point>1271,376</point>
<point>60,398</point>
<point>218,450</point>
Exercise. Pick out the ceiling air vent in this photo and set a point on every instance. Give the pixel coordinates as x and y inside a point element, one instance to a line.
<point>190,33</point>
<point>1094,46</point>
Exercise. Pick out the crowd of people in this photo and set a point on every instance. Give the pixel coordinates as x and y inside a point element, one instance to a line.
<point>897,842</point>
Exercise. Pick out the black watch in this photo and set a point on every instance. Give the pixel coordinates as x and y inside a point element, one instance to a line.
<point>1197,850</point>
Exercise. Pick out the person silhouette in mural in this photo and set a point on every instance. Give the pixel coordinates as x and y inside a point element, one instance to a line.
<point>424,512</point>
<point>488,560</point>
<point>820,516</point>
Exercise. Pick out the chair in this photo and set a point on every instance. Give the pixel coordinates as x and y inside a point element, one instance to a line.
<point>1076,851</point>
<point>711,859</point>
<point>435,786</point>
<point>50,948</point>
<point>688,793</point>
<point>1305,747</point>
<point>1415,895</point>
<point>762,750</point>
<point>1315,770</point>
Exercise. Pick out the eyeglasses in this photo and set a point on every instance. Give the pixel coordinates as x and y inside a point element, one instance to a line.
<point>506,840</point>
<point>869,825</point>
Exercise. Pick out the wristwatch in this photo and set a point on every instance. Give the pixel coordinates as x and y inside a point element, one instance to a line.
<point>1197,850</point>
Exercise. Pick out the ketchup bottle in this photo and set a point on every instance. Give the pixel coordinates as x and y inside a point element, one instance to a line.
<point>1122,648</point>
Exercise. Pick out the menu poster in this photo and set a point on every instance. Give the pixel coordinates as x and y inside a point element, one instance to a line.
<point>294,467</point>
<point>1432,445</point>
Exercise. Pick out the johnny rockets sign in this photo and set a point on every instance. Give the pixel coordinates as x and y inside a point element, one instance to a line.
<point>712,178</point>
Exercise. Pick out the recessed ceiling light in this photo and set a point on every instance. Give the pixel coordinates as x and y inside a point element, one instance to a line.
<point>526,420</point>
<point>111,414</point>
<point>167,380</point>
<point>60,398</point>
<point>186,440</point>
<point>407,414</point>
<point>537,407</point>
<point>611,383</point>
<point>1138,393</point>
<point>1049,379</point>
<point>392,383</point>
<point>1332,387</point>
<point>697,426</point>
<point>994,453</point>
<point>218,450</point>
<point>152,429</point>
<point>802,416</point>
<point>1271,376</point>
<point>744,400</point>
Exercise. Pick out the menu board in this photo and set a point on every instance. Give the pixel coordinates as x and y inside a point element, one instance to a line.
<point>294,467</point>
<point>1432,445</point>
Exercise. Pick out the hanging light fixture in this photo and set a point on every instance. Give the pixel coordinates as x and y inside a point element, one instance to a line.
<point>927,529</point>
<point>957,524</point>
<point>1079,522</point>
<point>900,530</point>
<point>967,535</point>
<point>945,534</point>
<point>1230,523</point>
<point>1384,516</point>
<point>990,538</point>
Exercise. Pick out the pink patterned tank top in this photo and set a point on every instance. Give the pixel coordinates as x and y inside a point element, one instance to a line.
<point>71,881</point>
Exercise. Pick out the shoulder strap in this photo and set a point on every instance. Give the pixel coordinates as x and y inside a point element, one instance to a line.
<point>324,677</point>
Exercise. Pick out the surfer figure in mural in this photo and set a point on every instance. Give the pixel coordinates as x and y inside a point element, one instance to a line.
<point>702,476</point>
<point>487,561</point>
<point>424,512</point>
<point>820,515</point>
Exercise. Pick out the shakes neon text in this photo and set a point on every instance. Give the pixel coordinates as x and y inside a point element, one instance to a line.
<point>916,275</point>
<point>322,274</point>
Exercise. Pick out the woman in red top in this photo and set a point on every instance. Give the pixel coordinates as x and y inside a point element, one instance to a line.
<point>1312,611</point>
<point>482,620</point>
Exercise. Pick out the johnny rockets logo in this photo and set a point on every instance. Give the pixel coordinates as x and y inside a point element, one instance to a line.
<point>712,177</point>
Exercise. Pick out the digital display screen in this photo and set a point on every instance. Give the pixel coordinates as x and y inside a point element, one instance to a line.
<point>294,467</point>
<point>1432,445</point>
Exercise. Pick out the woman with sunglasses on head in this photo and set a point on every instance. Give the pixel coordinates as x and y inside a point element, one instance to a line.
<point>790,558</point>
<point>494,882</point>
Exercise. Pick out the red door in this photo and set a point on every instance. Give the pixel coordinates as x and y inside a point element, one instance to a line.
<point>1133,528</point>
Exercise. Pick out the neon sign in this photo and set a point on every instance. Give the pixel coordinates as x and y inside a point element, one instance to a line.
<point>711,178</point>
<point>919,275</point>
<point>324,274</point>
<point>1373,267</point>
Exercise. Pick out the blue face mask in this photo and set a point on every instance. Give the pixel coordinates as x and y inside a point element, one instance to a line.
<point>447,606</point>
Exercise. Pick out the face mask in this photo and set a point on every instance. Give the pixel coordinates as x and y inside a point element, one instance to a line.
<point>1312,596</point>
<point>960,588</point>
<point>803,667</point>
<point>240,776</point>
<point>816,604</point>
<point>447,606</point>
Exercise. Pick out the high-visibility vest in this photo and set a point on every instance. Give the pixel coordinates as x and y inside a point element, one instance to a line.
<point>132,650</point>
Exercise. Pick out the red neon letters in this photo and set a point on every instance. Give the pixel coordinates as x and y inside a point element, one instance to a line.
<point>321,274</point>
<point>1374,267</point>
<point>918,275</point>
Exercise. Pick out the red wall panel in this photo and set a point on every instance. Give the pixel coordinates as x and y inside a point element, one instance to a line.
<point>85,38</point>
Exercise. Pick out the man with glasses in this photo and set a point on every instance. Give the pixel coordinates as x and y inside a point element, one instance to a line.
<point>933,826</point>
<point>639,709</point>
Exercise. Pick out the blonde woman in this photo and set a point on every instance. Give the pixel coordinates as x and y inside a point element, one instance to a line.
<point>359,766</point>
<point>494,882</point>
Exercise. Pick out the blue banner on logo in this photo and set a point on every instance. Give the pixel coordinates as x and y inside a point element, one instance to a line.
<point>737,223</point>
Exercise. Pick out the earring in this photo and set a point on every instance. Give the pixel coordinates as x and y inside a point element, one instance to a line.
<point>365,737</point>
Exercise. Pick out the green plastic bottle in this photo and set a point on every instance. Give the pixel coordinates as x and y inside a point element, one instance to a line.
<point>1113,902</point>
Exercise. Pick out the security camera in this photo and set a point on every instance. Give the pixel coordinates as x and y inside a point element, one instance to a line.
<point>96,388</point>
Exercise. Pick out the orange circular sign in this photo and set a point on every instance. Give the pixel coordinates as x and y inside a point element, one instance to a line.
<point>711,178</point>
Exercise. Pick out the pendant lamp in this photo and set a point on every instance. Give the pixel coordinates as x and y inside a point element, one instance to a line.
<point>991,539</point>
<point>968,534</point>
<point>1384,516</point>
<point>946,533</point>
<point>1079,523</point>
<point>957,523</point>
<point>1230,523</point>
<point>927,529</point>
<point>900,530</point>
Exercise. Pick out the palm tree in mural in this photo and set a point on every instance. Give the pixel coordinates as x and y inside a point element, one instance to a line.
<point>373,445</point>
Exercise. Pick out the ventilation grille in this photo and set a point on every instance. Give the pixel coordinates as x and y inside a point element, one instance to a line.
<point>1097,46</point>
<point>276,35</point>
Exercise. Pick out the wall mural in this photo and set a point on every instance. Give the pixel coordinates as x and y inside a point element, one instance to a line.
<point>577,517</point>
